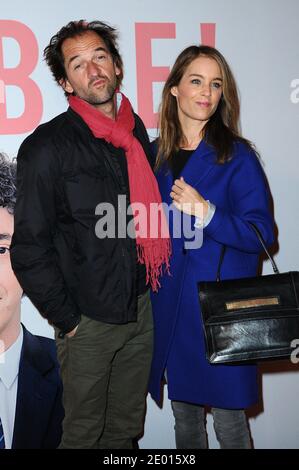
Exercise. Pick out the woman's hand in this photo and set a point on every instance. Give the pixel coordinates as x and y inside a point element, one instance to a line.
<point>188,200</point>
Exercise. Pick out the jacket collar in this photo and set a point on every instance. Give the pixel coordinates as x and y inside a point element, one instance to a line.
<point>33,387</point>
<point>9,366</point>
<point>34,354</point>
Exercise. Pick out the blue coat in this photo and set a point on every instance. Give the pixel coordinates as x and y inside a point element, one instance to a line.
<point>39,411</point>
<point>239,191</point>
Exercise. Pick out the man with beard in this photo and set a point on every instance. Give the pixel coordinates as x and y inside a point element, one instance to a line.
<point>86,276</point>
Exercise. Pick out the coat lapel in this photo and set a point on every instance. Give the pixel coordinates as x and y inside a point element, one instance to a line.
<point>31,412</point>
<point>199,165</point>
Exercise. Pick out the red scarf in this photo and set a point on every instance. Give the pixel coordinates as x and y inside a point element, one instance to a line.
<point>153,252</point>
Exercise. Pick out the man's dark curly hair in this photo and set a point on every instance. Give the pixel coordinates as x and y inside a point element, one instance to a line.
<point>7,183</point>
<point>53,53</point>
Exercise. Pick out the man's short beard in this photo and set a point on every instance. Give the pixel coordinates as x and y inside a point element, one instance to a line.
<point>95,100</point>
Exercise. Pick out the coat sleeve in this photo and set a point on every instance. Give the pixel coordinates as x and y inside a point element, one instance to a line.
<point>249,201</point>
<point>32,249</point>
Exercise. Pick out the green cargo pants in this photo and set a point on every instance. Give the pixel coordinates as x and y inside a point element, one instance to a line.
<point>105,369</point>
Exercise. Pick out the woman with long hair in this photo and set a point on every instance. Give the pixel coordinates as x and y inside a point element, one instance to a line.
<point>213,176</point>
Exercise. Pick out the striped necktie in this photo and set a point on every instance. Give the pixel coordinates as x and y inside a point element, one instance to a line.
<point>2,442</point>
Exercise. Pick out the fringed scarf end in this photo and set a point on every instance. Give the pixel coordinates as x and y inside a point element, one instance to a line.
<point>155,264</point>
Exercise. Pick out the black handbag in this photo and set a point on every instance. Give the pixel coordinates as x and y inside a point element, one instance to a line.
<point>250,319</point>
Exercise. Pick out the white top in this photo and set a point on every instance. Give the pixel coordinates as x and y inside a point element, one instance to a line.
<point>9,371</point>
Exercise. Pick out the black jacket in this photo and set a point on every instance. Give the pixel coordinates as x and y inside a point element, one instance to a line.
<point>63,173</point>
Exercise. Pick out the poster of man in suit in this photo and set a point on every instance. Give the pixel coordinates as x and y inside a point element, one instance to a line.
<point>31,409</point>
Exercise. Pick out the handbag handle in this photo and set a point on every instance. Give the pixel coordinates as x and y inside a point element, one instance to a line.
<point>260,237</point>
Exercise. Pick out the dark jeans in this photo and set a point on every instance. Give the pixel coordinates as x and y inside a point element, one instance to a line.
<point>230,426</point>
<point>105,370</point>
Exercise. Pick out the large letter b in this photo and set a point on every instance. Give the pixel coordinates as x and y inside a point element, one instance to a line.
<point>19,77</point>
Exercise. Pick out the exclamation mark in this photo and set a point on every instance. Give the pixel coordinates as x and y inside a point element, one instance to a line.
<point>208,34</point>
